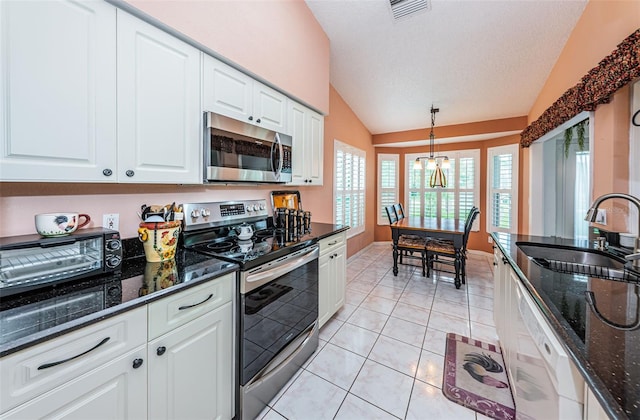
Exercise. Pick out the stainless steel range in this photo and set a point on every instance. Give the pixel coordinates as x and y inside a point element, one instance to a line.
<point>278,285</point>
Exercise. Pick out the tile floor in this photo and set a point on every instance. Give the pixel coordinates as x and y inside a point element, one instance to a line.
<point>381,356</point>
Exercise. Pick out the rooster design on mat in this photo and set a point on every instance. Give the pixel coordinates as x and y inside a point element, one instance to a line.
<point>479,365</point>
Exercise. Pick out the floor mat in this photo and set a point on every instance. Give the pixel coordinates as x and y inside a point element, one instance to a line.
<point>475,377</point>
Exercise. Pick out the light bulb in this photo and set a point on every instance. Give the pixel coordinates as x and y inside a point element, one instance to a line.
<point>431,163</point>
<point>446,164</point>
<point>417,165</point>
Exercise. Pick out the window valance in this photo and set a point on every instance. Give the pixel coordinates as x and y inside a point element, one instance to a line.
<point>596,87</point>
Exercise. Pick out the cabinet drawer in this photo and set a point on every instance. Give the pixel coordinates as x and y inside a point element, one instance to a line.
<point>36,370</point>
<point>180,308</point>
<point>332,242</point>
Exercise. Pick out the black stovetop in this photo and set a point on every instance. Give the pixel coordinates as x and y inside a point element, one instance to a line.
<point>266,244</point>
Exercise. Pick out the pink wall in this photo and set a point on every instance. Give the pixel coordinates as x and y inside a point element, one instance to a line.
<point>343,125</point>
<point>602,26</point>
<point>278,41</point>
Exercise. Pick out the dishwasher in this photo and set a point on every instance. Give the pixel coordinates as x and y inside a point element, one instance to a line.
<point>544,382</point>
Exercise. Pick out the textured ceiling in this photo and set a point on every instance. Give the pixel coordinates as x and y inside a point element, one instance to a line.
<point>475,60</point>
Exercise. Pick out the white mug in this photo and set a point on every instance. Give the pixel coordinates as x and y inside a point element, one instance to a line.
<point>60,224</point>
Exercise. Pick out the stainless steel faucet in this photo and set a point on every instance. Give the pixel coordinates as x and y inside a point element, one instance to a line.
<point>592,213</point>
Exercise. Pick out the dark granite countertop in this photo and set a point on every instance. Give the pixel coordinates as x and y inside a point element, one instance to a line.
<point>324,230</point>
<point>607,357</point>
<point>54,311</point>
<point>31,318</point>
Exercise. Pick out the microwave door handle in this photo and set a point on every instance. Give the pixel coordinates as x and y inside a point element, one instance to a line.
<point>280,159</point>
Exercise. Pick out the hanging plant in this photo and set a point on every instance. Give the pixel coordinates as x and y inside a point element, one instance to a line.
<point>581,128</point>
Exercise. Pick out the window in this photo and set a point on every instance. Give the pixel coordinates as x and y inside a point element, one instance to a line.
<point>502,189</point>
<point>349,187</point>
<point>388,167</point>
<point>454,201</point>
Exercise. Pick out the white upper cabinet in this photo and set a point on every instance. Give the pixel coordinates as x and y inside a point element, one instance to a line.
<point>58,90</point>
<point>159,133</point>
<point>86,100</point>
<point>307,131</point>
<point>234,94</point>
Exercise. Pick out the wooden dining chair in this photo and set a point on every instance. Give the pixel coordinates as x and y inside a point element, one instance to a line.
<point>399,211</point>
<point>408,244</point>
<point>439,248</point>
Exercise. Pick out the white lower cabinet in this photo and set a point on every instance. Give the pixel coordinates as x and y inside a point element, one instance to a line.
<point>592,408</point>
<point>69,376</point>
<point>109,369</point>
<point>116,390</point>
<point>332,267</point>
<point>191,369</point>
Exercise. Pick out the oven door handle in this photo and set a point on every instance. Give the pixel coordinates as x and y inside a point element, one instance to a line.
<point>280,267</point>
<point>283,358</point>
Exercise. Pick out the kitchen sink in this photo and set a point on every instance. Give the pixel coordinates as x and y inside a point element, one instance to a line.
<point>584,261</point>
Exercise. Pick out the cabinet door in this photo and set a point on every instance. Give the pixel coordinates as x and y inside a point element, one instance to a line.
<point>340,276</point>
<point>226,90</point>
<point>191,369</point>
<point>298,128</point>
<point>39,369</point>
<point>116,390</point>
<point>269,108</point>
<point>159,133</point>
<point>315,148</point>
<point>58,90</point>
<point>324,290</point>
<point>307,131</point>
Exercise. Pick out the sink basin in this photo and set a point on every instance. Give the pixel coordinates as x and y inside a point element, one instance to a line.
<point>571,255</point>
<point>571,260</point>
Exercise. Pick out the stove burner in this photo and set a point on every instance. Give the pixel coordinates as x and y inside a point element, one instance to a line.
<point>223,246</point>
<point>264,233</point>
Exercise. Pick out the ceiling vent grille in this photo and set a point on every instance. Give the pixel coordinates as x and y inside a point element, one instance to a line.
<point>405,8</point>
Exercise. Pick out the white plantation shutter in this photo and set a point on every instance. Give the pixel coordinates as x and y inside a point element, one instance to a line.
<point>388,167</point>
<point>502,189</point>
<point>453,201</point>
<point>349,187</point>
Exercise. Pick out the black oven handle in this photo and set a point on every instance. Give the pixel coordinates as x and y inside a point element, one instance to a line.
<point>274,269</point>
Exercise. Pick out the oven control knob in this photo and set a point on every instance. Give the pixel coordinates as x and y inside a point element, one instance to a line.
<point>251,207</point>
<point>205,212</point>
<point>262,207</point>
<point>195,214</point>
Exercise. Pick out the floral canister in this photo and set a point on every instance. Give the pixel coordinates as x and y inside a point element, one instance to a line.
<point>159,239</point>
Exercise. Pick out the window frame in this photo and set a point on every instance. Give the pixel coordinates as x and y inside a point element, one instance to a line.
<point>362,178</point>
<point>386,157</point>
<point>514,151</point>
<point>453,182</point>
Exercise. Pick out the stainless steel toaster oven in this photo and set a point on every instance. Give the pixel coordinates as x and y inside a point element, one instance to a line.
<point>28,262</point>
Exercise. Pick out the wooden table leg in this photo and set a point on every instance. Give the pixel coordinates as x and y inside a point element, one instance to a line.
<point>458,269</point>
<point>395,258</point>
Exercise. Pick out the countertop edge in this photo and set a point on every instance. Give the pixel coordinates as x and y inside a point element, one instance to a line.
<point>608,403</point>
<point>67,327</point>
<point>337,229</point>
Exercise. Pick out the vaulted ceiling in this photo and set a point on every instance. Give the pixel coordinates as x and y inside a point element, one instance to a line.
<point>475,60</point>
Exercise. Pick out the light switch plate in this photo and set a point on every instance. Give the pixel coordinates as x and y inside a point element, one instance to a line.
<point>601,217</point>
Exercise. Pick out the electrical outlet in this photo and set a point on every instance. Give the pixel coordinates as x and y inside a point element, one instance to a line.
<point>111,221</point>
<point>601,217</point>
<point>490,239</point>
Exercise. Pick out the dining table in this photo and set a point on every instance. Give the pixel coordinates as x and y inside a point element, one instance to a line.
<point>428,227</point>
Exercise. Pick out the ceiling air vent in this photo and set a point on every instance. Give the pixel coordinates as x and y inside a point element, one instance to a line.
<point>405,8</point>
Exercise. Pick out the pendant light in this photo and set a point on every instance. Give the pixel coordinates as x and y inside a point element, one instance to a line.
<point>437,178</point>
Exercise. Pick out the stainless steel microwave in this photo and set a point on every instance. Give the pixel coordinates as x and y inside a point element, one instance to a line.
<point>235,151</point>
